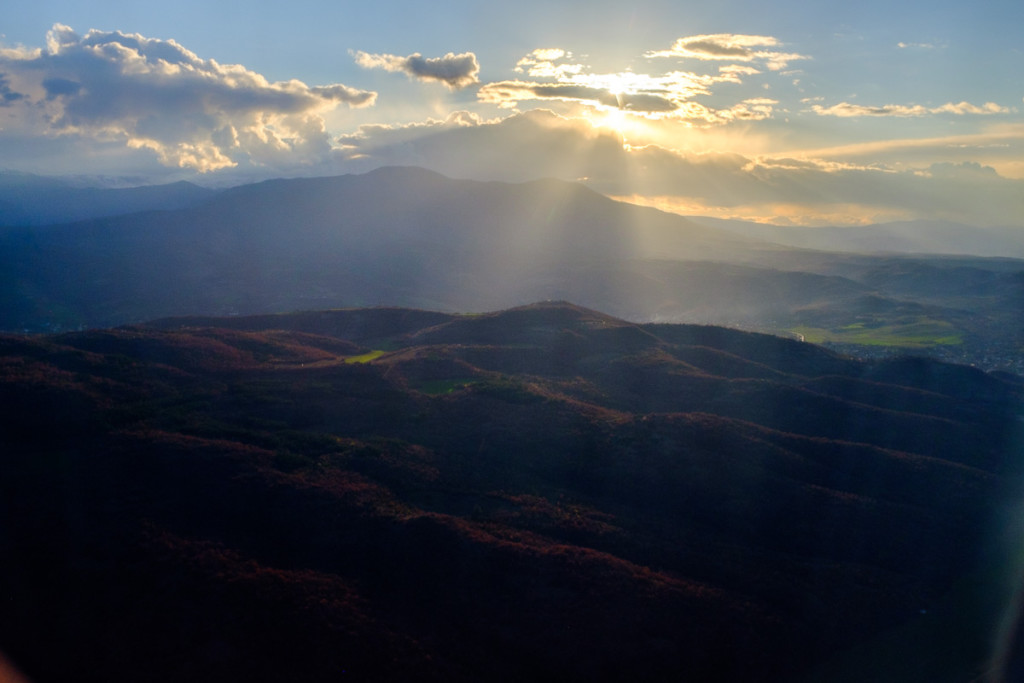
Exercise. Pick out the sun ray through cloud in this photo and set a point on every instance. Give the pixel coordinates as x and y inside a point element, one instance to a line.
<point>162,103</point>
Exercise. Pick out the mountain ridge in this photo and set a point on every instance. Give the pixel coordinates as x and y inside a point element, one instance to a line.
<point>30,200</point>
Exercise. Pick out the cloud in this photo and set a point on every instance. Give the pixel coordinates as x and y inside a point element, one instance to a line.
<point>660,97</point>
<point>378,144</point>
<point>455,71</point>
<point>652,96</point>
<point>697,114</point>
<point>731,73</point>
<point>961,108</point>
<point>717,46</point>
<point>541,54</point>
<point>7,95</point>
<point>731,47</point>
<point>56,87</point>
<point>847,110</point>
<point>966,169</point>
<point>157,95</point>
<point>541,63</point>
<point>509,93</point>
<point>668,95</point>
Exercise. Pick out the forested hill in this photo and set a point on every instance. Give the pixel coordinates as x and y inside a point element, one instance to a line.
<point>541,493</point>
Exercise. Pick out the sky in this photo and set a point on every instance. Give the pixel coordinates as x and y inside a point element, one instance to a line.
<point>802,113</point>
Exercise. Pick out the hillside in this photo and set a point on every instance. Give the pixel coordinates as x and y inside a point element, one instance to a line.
<point>545,492</point>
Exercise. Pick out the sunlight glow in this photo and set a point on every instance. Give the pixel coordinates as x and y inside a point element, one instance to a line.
<point>773,213</point>
<point>616,119</point>
<point>634,129</point>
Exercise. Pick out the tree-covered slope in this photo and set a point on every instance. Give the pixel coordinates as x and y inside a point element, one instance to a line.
<point>544,492</point>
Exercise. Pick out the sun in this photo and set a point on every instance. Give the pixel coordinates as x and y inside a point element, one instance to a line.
<point>633,128</point>
<point>616,119</point>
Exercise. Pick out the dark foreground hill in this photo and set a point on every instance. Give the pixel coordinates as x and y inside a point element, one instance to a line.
<point>545,493</point>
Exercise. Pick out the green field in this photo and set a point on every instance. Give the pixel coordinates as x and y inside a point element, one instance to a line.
<point>366,357</point>
<point>914,334</point>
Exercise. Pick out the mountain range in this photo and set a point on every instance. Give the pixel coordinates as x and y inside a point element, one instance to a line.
<point>410,237</point>
<point>27,199</point>
<point>545,492</point>
<point>392,236</point>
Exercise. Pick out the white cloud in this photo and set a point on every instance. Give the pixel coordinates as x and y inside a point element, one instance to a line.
<point>730,47</point>
<point>545,54</point>
<point>848,110</point>
<point>157,95</point>
<point>454,70</point>
<point>542,63</point>
<point>732,72</point>
<point>968,108</point>
<point>665,96</point>
<point>736,47</point>
<point>668,95</point>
